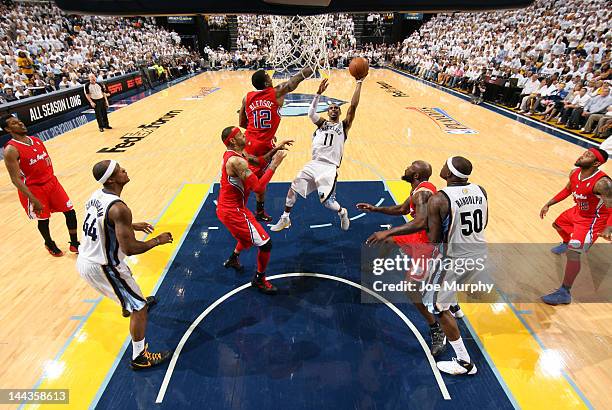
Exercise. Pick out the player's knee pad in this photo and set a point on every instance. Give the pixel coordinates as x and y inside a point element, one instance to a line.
<point>266,247</point>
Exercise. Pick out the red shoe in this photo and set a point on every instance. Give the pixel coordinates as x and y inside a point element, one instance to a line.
<point>263,216</point>
<point>54,250</point>
<point>74,247</point>
<point>261,284</point>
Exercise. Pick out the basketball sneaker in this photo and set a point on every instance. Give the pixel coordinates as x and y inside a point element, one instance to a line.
<point>457,367</point>
<point>559,249</point>
<point>561,296</point>
<point>262,284</point>
<point>438,340</point>
<point>456,311</point>
<point>54,250</point>
<point>283,223</point>
<point>234,263</point>
<point>345,222</point>
<point>148,359</point>
<point>74,247</point>
<point>263,216</point>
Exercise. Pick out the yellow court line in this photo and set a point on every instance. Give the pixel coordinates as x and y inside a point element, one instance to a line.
<point>518,357</point>
<point>85,363</point>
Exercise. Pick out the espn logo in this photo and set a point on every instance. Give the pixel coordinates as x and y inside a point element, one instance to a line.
<point>115,88</point>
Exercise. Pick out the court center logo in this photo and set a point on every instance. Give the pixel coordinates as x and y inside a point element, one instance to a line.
<point>443,120</point>
<point>296,105</point>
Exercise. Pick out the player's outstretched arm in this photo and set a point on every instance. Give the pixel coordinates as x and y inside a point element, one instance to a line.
<point>312,110</point>
<point>564,193</point>
<point>350,114</point>
<point>243,121</point>
<point>417,224</point>
<point>290,86</point>
<point>121,216</point>
<point>603,188</point>
<point>238,167</point>
<point>401,209</point>
<point>11,161</point>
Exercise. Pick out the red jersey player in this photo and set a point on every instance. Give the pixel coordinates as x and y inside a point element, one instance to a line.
<point>237,182</point>
<point>260,115</point>
<point>590,218</point>
<point>40,193</point>
<point>412,237</point>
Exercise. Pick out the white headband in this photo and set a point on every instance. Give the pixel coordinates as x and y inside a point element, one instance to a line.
<point>109,171</point>
<point>453,170</point>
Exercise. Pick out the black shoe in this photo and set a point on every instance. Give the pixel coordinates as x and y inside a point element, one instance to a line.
<point>438,340</point>
<point>54,250</point>
<point>148,359</point>
<point>234,263</point>
<point>108,127</point>
<point>261,284</point>
<point>263,216</point>
<point>101,129</point>
<point>151,301</point>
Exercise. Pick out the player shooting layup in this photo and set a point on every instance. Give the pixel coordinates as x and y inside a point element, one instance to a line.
<point>321,172</point>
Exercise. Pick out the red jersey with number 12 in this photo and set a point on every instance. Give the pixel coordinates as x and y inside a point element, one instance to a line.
<point>263,113</point>
<point>589,205</point>
<point>34,161</point>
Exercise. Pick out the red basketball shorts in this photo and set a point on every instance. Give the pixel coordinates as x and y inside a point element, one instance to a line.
<point>243,226</point>
<point>52,197</point>
<point>582,231</point>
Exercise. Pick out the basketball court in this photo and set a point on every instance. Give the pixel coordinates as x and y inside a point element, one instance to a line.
<point>314,345</point>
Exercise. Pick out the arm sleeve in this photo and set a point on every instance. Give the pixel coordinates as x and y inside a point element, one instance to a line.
<point>312,111</point>
<point>258,185</point>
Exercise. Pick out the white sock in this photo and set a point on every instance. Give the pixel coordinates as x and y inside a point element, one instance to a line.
<point>285,215</point>
<point>460,350</point>
<point>137,348</point>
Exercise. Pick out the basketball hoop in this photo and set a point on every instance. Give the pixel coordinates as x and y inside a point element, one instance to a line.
<point>299,41</point>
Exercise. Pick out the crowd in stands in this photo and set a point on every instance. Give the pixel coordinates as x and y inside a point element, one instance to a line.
<point>43,49</point>
<point>552,59</point>
<point>217,22</point>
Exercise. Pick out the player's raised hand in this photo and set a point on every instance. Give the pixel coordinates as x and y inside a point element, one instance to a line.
<point>143,227</point>
<point>164,238</point>
<point>284,144</point>
<point>278,158</point>
<point>322,86</point>
<point>544,211</point>
<point>365,207</point>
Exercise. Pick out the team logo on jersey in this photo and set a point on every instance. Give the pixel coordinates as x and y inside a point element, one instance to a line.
<point>296,105</point>
<point>444,121</point>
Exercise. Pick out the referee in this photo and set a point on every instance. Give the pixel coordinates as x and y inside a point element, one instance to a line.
<point>96,94</point>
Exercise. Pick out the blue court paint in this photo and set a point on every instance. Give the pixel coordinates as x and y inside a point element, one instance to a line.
<point>524,312</point>
<point>313,346</point>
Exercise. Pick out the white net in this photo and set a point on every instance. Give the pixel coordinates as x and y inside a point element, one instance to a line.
<point>299,41</point>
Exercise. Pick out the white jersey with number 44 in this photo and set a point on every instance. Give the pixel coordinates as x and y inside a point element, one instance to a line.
<point>99,243</point>
<point>328,143</point>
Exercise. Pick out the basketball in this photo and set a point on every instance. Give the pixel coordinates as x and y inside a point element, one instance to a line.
<point>359,67</point>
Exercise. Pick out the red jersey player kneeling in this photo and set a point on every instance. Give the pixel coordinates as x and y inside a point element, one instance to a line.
<point>237,182</point>
<point>590,218</point>
<point>40,193</point>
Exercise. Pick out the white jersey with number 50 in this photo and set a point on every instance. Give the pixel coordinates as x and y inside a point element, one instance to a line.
<point>99,242</point>
<point>463,229</point>
<point>328,143</point>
